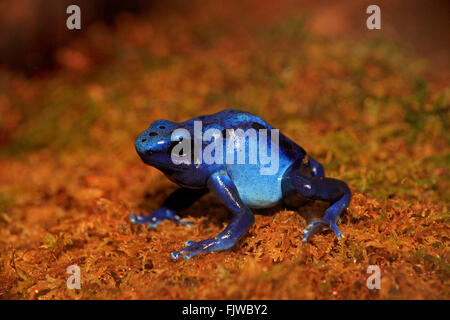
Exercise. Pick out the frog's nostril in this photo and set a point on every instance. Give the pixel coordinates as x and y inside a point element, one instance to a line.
<point>143,140</point>
<point>151,134</point>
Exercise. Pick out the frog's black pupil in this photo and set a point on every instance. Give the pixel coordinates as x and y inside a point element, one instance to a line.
<point>152,134</point>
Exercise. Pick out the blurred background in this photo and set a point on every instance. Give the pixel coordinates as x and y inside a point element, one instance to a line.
<point>371,105</point>
<point>32,31</point>
<point>35,44</point>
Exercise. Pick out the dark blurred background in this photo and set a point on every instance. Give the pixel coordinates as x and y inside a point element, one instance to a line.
<point>31,31</point>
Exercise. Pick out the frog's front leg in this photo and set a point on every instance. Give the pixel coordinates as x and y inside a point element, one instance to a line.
<point>222,185</point>
<point>180,199</point>
<point>326,189</point>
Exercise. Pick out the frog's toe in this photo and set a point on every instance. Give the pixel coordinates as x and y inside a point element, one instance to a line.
<point>316,225</point>
<point>336,230</point>
<point>134,218</point>
<point>152,226</point>
<point>310,229</point>
<point>191,254</point>
<point>184,255</point>
<point>193,248</point>
<point>176,254</point>
<point>186,223</point>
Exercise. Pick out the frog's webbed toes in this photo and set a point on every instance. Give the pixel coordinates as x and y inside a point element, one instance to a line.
<point>193,248</point>
<point>189,242</point>
<point>134,218</point>
<point>151,220</point>
<point>317,225</point>
<point>156,217</point>
<point>186,223</point>
<point>152,225</point>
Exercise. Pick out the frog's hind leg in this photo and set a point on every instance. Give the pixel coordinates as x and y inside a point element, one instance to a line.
<point>326,189</point>
<point>180,199</point>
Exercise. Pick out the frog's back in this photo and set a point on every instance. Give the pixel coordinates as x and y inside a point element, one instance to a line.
<point>232,119</point>
<point>256,189</point>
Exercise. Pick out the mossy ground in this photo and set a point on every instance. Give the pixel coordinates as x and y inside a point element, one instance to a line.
<point>69,175</point>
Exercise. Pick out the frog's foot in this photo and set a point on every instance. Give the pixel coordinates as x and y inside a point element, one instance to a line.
<point>193,248</point>
<point>330,218</point>
<point>156,217</point>
<point>317,225</point>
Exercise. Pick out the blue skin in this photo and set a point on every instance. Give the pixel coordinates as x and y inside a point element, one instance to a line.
<point>299,178</point>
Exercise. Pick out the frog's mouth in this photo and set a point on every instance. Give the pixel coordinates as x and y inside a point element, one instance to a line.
<point>160,165</point>
<point>155,159</point>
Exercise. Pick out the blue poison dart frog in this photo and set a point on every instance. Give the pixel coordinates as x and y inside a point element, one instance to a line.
<point>227,153</point>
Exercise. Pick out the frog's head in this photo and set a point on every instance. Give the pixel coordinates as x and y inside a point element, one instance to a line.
<point>155,145</point>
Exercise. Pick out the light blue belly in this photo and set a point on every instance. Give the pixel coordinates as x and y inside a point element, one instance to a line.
<point>256,190</point>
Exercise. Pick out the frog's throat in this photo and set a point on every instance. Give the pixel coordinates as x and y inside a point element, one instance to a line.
<point>164,166</point>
